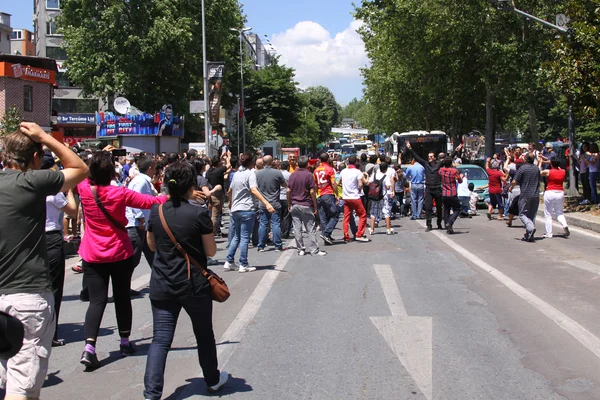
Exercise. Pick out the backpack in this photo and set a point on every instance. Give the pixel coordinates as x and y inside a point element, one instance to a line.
<point>376,189</point>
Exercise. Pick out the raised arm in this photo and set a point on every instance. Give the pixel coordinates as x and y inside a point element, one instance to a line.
<point>74,170</point>
<point>414,155</point>
<point>143,201</point>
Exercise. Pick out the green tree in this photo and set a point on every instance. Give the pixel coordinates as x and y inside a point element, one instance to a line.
<point>320,102</point>
<point>11,121</point>
<point>258,134</point>
<point>271,96</point>
<point>149,50</point>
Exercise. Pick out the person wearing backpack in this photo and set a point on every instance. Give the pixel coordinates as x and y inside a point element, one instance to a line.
<point>381,193</point>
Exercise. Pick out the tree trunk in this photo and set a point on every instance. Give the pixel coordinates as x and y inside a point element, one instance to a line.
<point>490,134</point>
<point>533,122</point>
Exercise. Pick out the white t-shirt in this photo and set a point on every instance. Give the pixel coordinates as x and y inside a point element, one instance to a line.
<point>350,178</point>
<point>54,206</point>
<point>462,189</point>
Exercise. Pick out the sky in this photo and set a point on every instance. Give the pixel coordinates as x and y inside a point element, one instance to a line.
<point>316,37</point>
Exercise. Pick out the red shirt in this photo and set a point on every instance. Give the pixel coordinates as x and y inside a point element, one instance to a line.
<point>495,181</point>
<point>450,177</point>
<point>324,176</point>
<point>556,178</point>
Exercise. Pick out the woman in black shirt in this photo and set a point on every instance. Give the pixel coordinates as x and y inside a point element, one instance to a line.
<point>171,288</point>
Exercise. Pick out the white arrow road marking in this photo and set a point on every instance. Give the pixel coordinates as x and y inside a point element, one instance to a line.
<point>410,338</point>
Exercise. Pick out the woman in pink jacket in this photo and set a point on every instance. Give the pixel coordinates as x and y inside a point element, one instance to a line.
<point>106,251</point>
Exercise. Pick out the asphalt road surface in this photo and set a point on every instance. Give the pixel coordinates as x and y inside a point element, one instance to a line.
<point>416,315</point>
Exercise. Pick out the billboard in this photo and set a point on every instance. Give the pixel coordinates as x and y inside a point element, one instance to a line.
<point>162,123</point>
<point>75,119</point>
<point>215,82</point>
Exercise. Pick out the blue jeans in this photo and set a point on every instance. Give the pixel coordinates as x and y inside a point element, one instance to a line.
<point>328,214</point>
<point>417,194</point>
<point>263,228</point>
<point>594,186</point>
<point>464,204</point>
<point>243,224</point>
<point>231,230</point>
<point>353,227</point>
<point>164,316</point>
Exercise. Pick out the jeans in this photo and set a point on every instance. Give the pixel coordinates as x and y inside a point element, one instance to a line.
<point>594,187</point>
<point>303,217</point>
<point>263,228</point>
<point>138,240</point>
<point>585,185</point>
<point>286,219</point>
<point>164,315</point>
<point>417,193</point>
<point>450,203</point>
<point>430,196</point>
<point>217,200</point>
<point>56,269</point>
<point>328,213</point>
<point>353,227</point>
<point>243,225</point>
<point>97,277</point>
<point>464,204</point>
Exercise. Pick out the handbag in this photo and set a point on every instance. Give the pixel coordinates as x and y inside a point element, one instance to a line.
<point>106,214</point>
<point>218,288</point>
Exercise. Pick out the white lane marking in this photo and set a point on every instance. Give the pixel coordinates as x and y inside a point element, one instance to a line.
<point>584,265</point>
<point>410,338</point>
<point>237,329</point>
<point>569,325</point>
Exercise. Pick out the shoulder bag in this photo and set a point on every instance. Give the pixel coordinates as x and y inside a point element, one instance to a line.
<point>104,211</point>
<point>218,287</point>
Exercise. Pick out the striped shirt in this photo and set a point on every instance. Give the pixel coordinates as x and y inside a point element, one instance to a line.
<point>450,177</point>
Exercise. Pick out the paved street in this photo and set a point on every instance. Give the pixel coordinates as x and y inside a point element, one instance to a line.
<point>476,315</point>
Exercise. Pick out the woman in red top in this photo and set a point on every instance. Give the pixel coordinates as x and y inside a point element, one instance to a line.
<point>554,197</point>
<point>495,179</point>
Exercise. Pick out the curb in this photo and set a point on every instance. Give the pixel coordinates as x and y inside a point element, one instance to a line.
<point>578,221</point>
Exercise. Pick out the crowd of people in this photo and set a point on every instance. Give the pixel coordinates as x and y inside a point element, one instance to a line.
<point>123,207</point>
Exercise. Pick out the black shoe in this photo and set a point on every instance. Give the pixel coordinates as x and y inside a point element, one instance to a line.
<point>440,227</point>
<point>328,240</point>
<point>90,361</point>
<point>84,296</point>
<point>428,229</point>
<point>127,350</point>
<point>449,230</point>
<point>531,236</point>
<point>58,342</point>
<point>134,293</point>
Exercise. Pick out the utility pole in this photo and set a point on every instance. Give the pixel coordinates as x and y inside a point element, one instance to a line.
<point>207,128</point>
<point>241,32</point>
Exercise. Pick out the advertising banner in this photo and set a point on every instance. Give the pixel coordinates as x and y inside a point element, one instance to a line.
<point>162,123</point>
<point>26,72</point>
<point>215,84</point>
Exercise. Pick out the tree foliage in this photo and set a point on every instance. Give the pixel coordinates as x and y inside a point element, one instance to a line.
<point>148,50</point>
<point>11,121</point>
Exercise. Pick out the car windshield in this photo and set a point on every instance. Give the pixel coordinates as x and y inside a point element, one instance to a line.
<point>474,174</point>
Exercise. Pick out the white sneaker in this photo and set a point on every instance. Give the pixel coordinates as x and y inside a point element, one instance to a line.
<point>318,253</point>
<point>371,231</point>
<point>229,266</point>
<point>547,236</point>
<point>363,239</point>
<point>246,268</point>
<point>222,380</point>
<point>301,253</point>
<point>390,232</point>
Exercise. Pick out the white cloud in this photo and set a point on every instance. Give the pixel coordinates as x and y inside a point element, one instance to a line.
<point>320,58</point>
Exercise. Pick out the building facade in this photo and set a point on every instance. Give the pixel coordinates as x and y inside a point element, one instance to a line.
<point>21,43</point>
<point>256,49</point>
<point>27,83</point>
<point>69,108</point>
<point>5,31</point>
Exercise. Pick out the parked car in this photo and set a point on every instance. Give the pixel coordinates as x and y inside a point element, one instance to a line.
<point>479,177</point>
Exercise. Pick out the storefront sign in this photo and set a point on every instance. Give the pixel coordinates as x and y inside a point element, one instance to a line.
<point>76,119</point>
<point>72,141</point>
<point>26,72</point>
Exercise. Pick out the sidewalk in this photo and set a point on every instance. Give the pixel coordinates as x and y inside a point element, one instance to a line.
<point>580,220</point>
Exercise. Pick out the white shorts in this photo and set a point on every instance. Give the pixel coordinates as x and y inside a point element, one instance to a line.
<point>381,208</point>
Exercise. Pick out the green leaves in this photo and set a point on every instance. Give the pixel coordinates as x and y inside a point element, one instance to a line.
<point>11,121</point>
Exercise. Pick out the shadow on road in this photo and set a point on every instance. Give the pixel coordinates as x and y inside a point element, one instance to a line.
<point>197,387</point>
<point>52,379</point>
<point>73,332</point>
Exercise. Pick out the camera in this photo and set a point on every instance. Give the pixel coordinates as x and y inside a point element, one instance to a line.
<point>119,152</point>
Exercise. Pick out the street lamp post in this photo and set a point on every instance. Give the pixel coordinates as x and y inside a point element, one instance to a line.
<point>238,123</point>
<point>243,119</point>
<point>207,129</point>
<point>508,5</point>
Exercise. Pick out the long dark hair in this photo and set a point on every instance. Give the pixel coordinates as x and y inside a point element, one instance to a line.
<point>180,177</point>
<point>102,168</point>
